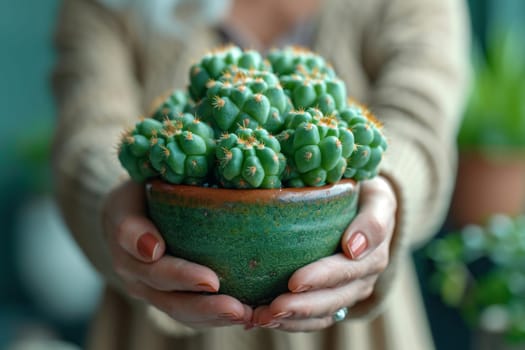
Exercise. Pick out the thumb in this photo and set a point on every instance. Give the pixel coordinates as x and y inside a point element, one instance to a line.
<point>129,225</point>
<point>374,222</point>
<point>140,238</point>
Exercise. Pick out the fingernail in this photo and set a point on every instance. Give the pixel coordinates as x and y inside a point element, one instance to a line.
<point>147,245</point>
<point>206,287</point>
<point>283,314</point>
<point>357,245</point>
<point>270,325</point>
<point>301,289</point>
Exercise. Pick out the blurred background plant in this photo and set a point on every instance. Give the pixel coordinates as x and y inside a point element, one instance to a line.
<point>491,172</point>
<point>494,119</point>
<point>473,297</point>
<point>480,270</point>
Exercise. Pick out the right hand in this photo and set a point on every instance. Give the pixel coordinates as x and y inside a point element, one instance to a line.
<point>170,284</point>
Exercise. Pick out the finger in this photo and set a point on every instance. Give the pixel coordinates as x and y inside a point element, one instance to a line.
<point>140,238</point>
<point>167,274</point>
<point>194,309</point>
<point>126,223</point>
<point>315,304</point>
<point>337,270</point>
<point>261,319</point>
<point>375,221</point>
<point>307,325</point>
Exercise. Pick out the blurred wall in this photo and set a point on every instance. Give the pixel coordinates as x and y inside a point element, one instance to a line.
<point>27,109</point>
<point>25,37</point>
<point>36,252</point>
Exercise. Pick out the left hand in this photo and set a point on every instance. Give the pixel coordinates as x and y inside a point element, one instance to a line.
<point>321,288</point>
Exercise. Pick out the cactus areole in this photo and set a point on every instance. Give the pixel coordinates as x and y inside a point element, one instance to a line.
<point>245,124</point>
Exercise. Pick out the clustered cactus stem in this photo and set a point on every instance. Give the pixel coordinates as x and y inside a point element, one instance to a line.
<point>248,121</point>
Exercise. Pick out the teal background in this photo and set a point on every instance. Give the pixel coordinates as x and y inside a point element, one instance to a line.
<point>27,119</point>
<point>25,62</point>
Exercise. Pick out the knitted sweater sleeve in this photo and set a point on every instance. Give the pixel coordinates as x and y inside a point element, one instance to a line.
<point>419,50</point>
<point>96,94</point>
<point>416,55</point>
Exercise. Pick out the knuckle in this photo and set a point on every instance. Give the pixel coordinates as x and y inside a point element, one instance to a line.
<point>383,260</point>
<point>347,275</point>
<point>368,290</point>
<point>378,263</point>
<point>149,277</point>
<point>152,273</point>
<point>305,312</point>
<point>121,231</point>
<point>377,227</point>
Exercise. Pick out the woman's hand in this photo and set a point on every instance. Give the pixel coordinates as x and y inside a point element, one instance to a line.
<point>319,289</point>
<point>170,284</point>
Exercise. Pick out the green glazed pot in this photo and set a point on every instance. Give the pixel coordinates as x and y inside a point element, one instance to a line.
<point>253,239</point>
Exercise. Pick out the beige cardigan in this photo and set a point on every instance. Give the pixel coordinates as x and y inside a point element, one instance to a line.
<point>406,59</point>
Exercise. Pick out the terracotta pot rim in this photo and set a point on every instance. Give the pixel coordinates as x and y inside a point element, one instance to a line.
<point>213,194</point>
<point>493,155</point>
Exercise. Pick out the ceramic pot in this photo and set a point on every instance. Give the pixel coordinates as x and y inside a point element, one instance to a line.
<point>486,186</point>
<point>253,239</point>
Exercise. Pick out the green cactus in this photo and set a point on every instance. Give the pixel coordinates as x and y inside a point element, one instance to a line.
<point>249,159</point>
<point>244,98</point>
<point>220,130</point>
<point>130,162</point>
<point>316,147</point>
<point>305,91</point>
<point>299,60</point>
<point>135,146</point>
<point>215,63</point>
<point>370,143</point>
<point>169,105</point>
<point>189,151</point>
<point>179,150</point>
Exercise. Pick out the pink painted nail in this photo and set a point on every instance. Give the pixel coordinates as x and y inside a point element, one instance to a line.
<point>357,245</point>
<point>147,245</point>
<point>283,314</point>
<point>271,325</point>
<point>206,287</point>
<point>301,289</point>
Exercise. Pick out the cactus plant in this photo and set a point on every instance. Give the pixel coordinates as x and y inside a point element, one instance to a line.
<point>179,150</point>
<point>249,159</point>
<point>370,143</point>
<point>316,154</point>
<point>248,121</point>
<point>213,65</point>
<point>295,59</point>
<point>248,98</point>
<point>169,105</point>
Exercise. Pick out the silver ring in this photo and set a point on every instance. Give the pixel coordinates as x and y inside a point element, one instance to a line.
<point>340,314</point>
